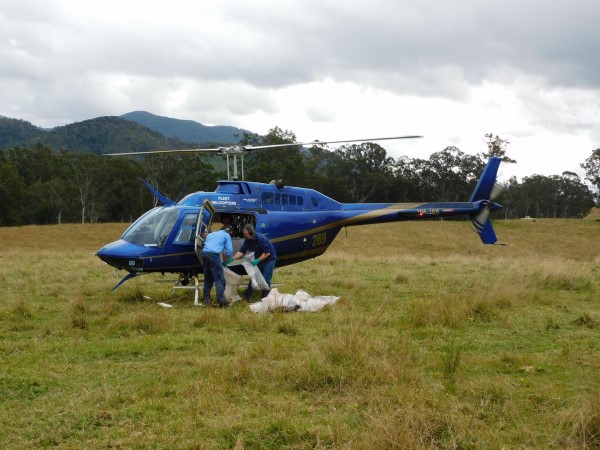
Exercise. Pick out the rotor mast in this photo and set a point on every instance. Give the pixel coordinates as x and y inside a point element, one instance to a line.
<point>234,151</point>
<point>235,166</point>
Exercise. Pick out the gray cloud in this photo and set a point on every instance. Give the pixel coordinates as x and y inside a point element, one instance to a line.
<point>221,60</point>
<point>286,43</point>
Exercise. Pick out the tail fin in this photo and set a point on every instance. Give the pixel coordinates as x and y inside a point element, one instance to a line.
<point>482,193</point>
<point>484,187</point>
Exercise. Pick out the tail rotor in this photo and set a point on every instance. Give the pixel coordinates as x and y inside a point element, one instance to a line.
<point>484,194</point>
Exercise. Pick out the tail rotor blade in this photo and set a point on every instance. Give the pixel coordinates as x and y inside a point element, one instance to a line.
<point>496,192</point>
<point>483,225</point>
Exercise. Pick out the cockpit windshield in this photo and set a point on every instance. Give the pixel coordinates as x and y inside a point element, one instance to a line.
<point>153,228</point>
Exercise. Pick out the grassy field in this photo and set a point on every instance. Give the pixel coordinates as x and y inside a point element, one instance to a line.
<point>437,342</point>
<point>594,214</point>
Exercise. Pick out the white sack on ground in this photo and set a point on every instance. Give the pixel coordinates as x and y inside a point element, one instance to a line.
<point>301,301</point>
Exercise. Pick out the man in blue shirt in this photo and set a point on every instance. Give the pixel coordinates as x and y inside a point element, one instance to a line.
<point>216,244</point>
<point>264,256</point>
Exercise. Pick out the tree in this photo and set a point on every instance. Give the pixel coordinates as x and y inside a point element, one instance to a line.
<point>367,171</point>
<point>449,175</point>
<point>592,171</point>
<point>497,148</point>
<point>555,196</point>
<point>574,199</point>
<point>316,174</point>
<point>509,198</point>
<point>89,175</point>
<point>286,163</point>
<point>12,194</point>
<point>406,185</point>
<point>48,180</point>
<point>124,197</point>
<point>176,175</point>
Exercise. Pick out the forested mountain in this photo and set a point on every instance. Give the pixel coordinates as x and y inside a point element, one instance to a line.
<point>134,131</point>
<point>40,185</point>
<point>187,130</point>
<point>101,135</point>
<point>109,135</point>
<point>17,132</point>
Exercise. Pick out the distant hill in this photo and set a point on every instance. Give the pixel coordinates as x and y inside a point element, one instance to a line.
<point>110,135</point>
<point>17,132</point>
<point>187,130</point>
<point>101,135</point>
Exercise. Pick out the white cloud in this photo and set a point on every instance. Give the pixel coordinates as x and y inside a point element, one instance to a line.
<point>324,69</point>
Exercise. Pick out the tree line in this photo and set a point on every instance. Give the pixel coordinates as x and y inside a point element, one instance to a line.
<point>41,186</point>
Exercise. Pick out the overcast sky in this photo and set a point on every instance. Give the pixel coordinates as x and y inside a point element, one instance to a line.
<point>526,70</point>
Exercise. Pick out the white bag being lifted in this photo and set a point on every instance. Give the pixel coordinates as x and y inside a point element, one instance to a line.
<point>233,280</point>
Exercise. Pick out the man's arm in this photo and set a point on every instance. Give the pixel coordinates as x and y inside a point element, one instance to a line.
<point>228,246</point>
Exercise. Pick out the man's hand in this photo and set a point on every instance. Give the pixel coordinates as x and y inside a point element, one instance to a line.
<point>256,261</point>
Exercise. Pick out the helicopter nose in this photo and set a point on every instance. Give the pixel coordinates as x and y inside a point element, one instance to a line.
<point>122,255</point>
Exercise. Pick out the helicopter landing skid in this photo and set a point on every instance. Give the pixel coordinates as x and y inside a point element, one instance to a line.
<point>184,285</point>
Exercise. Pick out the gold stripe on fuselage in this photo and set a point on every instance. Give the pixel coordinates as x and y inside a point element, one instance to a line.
<point>313,252</point>
<point>349,220</point>
<point>164,256</point>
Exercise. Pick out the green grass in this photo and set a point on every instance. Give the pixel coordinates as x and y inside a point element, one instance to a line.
<point>594,214</point>
<point>437,342</point>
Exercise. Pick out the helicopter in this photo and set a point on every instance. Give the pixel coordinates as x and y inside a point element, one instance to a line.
<point>301,223</point>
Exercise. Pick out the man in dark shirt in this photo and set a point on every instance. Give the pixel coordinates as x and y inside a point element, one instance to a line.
<point>264,256</point>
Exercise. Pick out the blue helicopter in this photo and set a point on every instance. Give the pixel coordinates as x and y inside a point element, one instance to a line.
<point>301,223</point>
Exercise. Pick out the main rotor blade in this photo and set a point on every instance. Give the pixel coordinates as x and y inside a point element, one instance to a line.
<point>154,152</point>
<point>248,148</point>
<point>345,141</point>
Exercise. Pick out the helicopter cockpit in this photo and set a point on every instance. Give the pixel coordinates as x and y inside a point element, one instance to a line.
<point>152,229</point>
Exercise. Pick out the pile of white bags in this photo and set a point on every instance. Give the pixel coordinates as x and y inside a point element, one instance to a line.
<point>300,301</point>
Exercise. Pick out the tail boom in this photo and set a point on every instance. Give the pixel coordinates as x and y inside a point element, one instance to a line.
<point>478,208</point>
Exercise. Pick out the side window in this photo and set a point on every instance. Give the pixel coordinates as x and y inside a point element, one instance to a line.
<point>315,202</point>
<point>267,198</point>
<point>187,231</point>
<point>300,201</point>
<point>165,226</point>
<point>277,199</point>
<point>284,199</point>
<point>292,199</point>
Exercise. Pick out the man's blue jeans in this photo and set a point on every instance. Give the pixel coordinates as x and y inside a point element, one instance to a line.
<point>213,274</point>
<point>266,268</point>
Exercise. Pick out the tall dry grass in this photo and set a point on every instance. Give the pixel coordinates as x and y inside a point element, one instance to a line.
<point>437,342</point>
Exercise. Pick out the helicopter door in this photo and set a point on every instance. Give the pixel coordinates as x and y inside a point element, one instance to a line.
<point>205,217</point>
